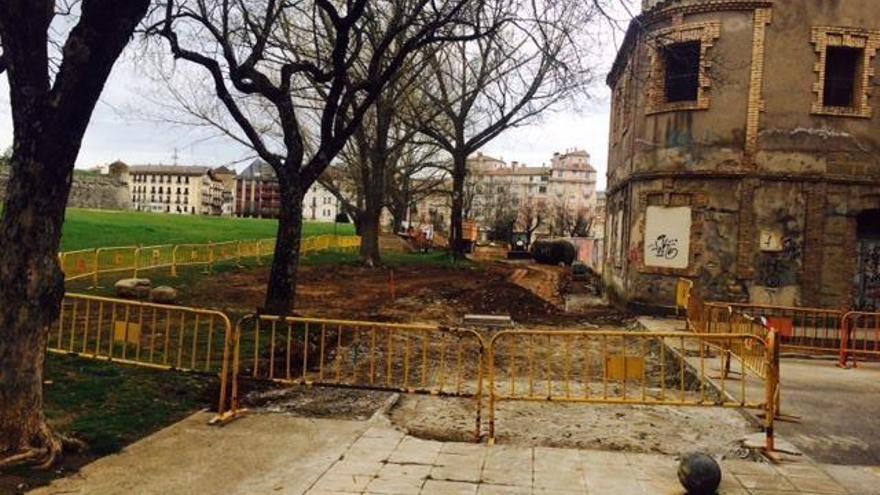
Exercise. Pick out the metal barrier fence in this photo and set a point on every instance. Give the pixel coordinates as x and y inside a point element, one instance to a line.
<point>92,263</point>
<point>808,330</point>
<point>563,366</point>
<point>141,333</point>
<point>861,337</point>
<point>357,354</point>
<point>626,368</point>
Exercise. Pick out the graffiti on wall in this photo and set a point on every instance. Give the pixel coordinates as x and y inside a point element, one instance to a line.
<point>667,237</point>
<point>779,269</point>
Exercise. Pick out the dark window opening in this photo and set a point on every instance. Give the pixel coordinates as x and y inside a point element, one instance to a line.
<point>682,71</point>
<point>841,73</point>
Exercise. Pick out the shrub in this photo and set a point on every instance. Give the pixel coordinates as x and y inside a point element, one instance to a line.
<point>554,252</point>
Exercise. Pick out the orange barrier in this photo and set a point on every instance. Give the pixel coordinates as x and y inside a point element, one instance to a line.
<point>807,330</point>
<point>861,337</point>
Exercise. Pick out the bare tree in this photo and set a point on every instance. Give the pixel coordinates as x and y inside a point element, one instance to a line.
<point>416,177</point>
<point>52,93</point>
<point>309,70</point>
<point>571,221</point>
<point>532,216</point>
<point>482,88</point>
<point>502,216</point>
<point>371,157</point>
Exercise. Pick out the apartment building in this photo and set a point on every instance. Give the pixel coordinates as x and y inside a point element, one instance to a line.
<point>566,188</point>
<point>184,190</point>
<point>257,194</point>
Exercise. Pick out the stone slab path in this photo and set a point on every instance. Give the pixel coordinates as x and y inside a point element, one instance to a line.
<point>267,454</point>
<point>386,461</point>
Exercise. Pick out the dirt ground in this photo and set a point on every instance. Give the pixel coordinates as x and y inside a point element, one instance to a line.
<point>530,294</point>
<point>666,430</point>
<point>320,402</point>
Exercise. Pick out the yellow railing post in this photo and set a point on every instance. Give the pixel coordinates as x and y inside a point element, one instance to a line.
<point>772,385</point>
<point>95,267</point>
<point>137,257</point>
<point>174,261</point>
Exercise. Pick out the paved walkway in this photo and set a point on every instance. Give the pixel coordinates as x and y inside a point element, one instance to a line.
<point>385,461</point>
<point>837,407</point>
<point>267,454</point>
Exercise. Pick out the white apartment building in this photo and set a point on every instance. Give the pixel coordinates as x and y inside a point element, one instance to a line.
<point>320,205</point>
<point>184,190</point>
<point>569,183</point>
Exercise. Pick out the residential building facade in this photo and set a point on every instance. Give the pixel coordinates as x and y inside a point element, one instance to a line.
<point>566,188</point>
<point>745,154</point>
<point>184,190</point>
<point>257,194</point>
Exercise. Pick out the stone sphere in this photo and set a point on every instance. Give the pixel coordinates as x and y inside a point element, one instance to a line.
<point>699,474</point>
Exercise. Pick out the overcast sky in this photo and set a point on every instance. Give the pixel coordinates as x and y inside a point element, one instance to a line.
<point>117,132</point>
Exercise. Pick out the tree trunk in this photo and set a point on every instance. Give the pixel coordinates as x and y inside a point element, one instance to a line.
<point>281,293</point>
<point>49,122</point>
<point>31,288</point>
<point>370,238</point>
<point>456,232</point>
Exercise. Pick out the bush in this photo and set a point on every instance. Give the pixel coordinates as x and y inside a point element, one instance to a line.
<point>341,218</point>
<point>554,252</point>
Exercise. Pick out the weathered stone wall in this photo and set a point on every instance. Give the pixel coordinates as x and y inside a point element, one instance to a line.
<point>774,181</point>
<point>103,192</point>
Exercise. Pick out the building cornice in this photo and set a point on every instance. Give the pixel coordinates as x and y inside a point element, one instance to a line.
<point>767,176</point>
<point>665,12</point>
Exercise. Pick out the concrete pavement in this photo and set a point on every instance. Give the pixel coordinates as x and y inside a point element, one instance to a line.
<point>837,408</point>
<point>260,453</point>
<point>282,454</point>
<point>386,461</point>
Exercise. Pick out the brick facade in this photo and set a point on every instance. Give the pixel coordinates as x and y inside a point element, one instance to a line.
<point>775,180</point>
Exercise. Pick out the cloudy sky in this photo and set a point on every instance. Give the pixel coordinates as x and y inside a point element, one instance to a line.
<point>119,130</point>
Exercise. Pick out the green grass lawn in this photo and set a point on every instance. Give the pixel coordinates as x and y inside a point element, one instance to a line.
<point>84,229</point>
<point>109,406</point>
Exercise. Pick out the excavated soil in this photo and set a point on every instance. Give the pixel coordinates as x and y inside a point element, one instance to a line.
<point>411,293</point>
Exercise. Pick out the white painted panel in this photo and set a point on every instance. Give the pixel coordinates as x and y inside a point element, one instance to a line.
<point>668,236</point>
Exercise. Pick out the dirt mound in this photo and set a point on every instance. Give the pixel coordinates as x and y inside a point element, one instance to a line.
<point>391,243</point>
<point>502,297</point>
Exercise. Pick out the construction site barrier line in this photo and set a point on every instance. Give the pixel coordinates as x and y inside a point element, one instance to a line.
<point>542,375</point>
<point>89,262</point>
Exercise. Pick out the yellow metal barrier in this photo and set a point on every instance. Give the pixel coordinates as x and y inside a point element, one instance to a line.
<point>153,258</point>
<point>683,290</point>
<point>92,263</point>
<point>79,264</point>
<point>625,368</point>
<point>808,330</point>
<point>141,333</point>
<point>192,255</point>
<point>113,260</point>
<point>228,251</point>
<point>358,354</point>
